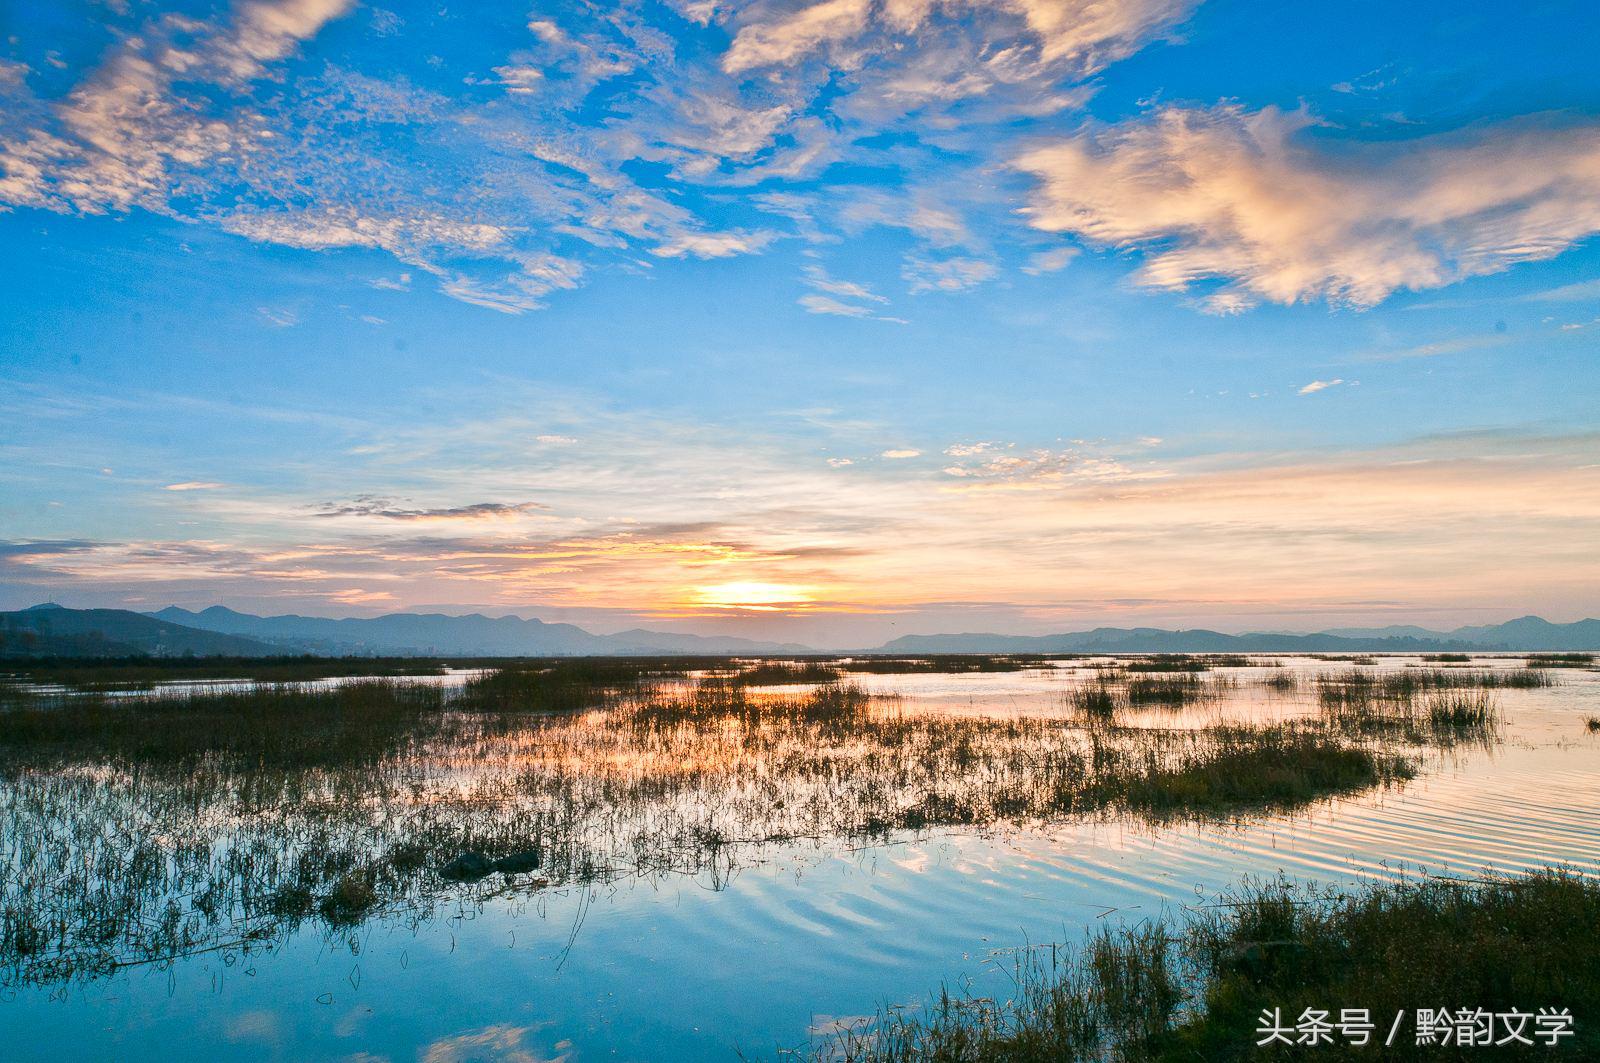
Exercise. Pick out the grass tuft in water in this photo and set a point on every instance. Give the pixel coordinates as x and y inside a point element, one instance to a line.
<point>1561,660</point>
<point>784,673</point>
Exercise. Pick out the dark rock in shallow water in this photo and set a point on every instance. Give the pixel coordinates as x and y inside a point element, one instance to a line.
<point>467,867</point>
<point>518,863</point>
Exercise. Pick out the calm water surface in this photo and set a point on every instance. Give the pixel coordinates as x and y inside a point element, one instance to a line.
<point>817,934</point>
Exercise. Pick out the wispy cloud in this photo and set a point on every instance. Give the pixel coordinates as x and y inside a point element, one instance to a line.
<point>389,509</point>
<point>194,485</point>
<point>995,463</point>
<point>827,304</point>
<point>1567,293</point>
<point>508,193</point>
<point>955,274</point>
<point>831,295</point>
<point>1394,524</point>
<point>1050,261</point>
<point>1320,385</point>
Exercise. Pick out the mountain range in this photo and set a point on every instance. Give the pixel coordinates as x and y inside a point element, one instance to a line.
<point>54,630</point>
<point>437,634</point>
<point>1524,633</point>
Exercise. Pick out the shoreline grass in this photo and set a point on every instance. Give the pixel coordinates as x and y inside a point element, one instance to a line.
<point>1167,990</point>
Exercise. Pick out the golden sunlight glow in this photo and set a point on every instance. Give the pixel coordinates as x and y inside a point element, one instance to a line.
<point>750,595</point>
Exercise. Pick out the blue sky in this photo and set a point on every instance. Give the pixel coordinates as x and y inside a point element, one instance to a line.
<point>818,320</point>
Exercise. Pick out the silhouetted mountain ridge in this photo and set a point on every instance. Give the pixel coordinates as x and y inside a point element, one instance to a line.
<point>51,631</point>
<point>473,635</point>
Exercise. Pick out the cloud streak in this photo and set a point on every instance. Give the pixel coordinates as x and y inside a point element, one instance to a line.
<point>388,509</point>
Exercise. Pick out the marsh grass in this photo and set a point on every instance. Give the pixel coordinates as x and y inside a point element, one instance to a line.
<point>1282,683</point>
<point>1174,692</point>
<point>143,829</point>
<point>1195,989</point>
<point>125,673</point>
<point>952,663</point>
<point>1561,660</point>
<point>1410,682</point>
<point>1172,662</point>
<point>783,673</point>
<point>1434,708</point>
<point>1094,700</point>
<point>1107,692</point>
<point>1447,658</point>
<point>1458,710</point>
<point>1202,662</point>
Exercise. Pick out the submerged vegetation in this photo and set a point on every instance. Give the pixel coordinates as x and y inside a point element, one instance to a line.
<point>1198,988</point>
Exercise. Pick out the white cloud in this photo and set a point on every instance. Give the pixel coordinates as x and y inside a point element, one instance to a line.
<point>1567,293</point>
<point>826,304</point>
<point>520,79</point>
<point>713,245</point>
<point>1080,34</point>
<point>901,454</point>
<point>1287,214</point>
<point>194,485</point>
<point>1320,385</point>
<point>1050,261</point>
<point>126,134</point>
<point>818,278</point>
<point>278,317</point>
<point>831,293</point>
<point>784,39</point>
<point>1004,463</point>
<point>946,275</point>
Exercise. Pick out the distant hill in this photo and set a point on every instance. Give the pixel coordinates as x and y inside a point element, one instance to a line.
<point>54,631</point>
<point>672,642</point>
<point>1535,633</point>
<point>1528,633</point>
<point>1524,633</point>
<point>474,635</point>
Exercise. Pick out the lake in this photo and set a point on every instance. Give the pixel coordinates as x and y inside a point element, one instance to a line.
<point>765,947</point>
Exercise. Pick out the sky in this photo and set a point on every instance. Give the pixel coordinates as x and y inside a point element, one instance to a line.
<point>826,321</point>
